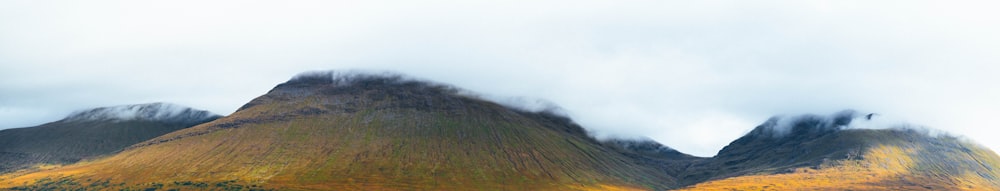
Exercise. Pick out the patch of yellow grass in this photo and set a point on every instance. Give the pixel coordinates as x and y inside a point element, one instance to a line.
<point>605,187</point>
<point>884,168</point>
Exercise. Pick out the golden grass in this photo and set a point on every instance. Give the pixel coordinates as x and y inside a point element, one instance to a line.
<point>884,168</point>
<point>606,187</point>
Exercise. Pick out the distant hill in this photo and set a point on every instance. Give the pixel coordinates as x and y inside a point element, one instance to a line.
<point>90,133</point>
<point>821,153</point>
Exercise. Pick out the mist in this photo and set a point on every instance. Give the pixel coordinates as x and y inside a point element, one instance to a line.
<point>691,75</point>
<point>164,112</point>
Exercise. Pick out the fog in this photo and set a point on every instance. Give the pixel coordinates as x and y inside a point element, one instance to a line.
<point>691,75</point>
<point>164,112</point>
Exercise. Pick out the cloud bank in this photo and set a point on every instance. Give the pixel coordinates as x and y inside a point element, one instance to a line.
<point>691,75</point>
<point>164,112</point>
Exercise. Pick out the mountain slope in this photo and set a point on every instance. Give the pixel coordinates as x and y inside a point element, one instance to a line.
<point>814,152</point>
<point>331,131</point>
<point>91,133</point>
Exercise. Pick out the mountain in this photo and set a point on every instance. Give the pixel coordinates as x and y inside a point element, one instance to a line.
<point>91,133</point>
<point>823,153</point>
<point>335,131</point>
<point>355,131</point>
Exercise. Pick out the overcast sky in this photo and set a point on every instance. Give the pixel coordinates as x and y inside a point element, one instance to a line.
<point>693,75</point>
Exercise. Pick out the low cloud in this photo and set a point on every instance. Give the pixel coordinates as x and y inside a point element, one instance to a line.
<point>782,126</point>
<point>777,127</point>
<point>159,111</point>
<point>691,75</point>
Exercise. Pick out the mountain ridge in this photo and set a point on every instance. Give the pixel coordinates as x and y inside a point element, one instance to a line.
<point>357,131</point>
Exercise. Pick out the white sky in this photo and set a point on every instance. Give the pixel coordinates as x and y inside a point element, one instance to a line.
<point>692,75</point>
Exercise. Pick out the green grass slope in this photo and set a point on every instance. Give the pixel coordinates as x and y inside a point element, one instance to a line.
<point>368,133</point>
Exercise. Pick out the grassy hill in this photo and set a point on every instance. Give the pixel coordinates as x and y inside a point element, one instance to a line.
<point>83,135</point>
<point>330,132</point>
<point>819,155</point>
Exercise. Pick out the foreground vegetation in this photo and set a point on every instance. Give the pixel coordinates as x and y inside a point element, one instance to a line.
<point>70,183</point>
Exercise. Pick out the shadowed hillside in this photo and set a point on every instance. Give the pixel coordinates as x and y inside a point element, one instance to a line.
<point>92,133</point>
<point>331,131</point>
